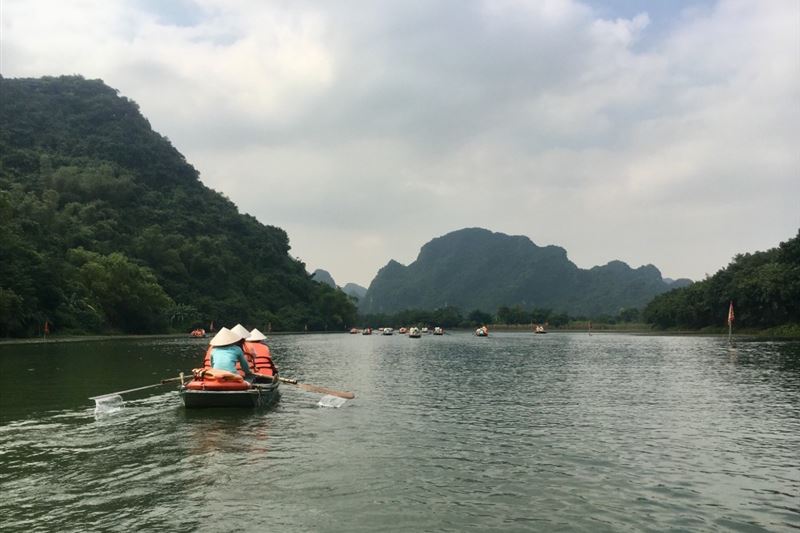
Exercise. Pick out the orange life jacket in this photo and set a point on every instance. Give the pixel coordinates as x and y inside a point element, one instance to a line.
<point>261,359</point>
<point>216,380</point>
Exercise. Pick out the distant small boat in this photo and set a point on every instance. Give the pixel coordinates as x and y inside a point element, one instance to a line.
<point>402,331</point>
<point>367,331</point>
<point>425,329</point>
<point>198,333</point>
<point>482,331</point>
<point>353,331</point>
<point>414,333</point>
<point>539,329</point>
<point>388,331</point>
<point>438,331</point>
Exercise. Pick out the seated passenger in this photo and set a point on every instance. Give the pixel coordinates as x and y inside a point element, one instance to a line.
<point>257,351</point>
<point>226,351</point>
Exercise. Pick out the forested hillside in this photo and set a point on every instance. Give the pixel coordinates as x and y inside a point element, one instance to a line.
<point>106,227</point>
<point>764,288</point>
<point>477,269</point>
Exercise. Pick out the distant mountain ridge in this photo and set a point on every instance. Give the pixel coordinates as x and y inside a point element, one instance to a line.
<point>355,290</point>
<point>351,289</point>
<point>474,268</point>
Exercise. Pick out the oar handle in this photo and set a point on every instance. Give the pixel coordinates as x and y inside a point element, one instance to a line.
<point>322,390</point>
<point>124,391</point>
<point>163,381</point>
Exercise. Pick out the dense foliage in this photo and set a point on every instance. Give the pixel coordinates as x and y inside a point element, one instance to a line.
<point>764,288</point>
<point>106,227</point>
<point>476,269</point>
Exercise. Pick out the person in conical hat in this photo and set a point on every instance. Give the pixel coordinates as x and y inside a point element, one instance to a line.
<point>256,336</point>
<point>224,337</point>
<point>255,349</point>
<point>226,351</point>
<point>241,330</point>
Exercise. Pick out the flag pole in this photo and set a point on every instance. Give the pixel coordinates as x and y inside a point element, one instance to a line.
<point>730,321</point>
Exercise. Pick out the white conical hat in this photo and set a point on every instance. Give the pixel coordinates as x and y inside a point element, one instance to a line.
<point>241,330</point>
<point>256,336</point>
<point>225,337</point>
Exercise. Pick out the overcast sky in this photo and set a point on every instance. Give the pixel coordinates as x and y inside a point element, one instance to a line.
<point>651,132</point>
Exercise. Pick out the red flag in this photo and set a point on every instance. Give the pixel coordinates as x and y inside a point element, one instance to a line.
<point>730,313</point>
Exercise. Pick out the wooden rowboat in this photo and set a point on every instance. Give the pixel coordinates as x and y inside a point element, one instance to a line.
<point>263,392</point>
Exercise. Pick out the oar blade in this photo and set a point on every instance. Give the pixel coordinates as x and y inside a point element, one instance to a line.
<point>323,390</point>
<point>331,401</point>
<point>316,388</point>
<point>107,404</point>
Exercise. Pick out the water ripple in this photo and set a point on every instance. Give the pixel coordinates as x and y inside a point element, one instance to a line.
<point>512,433</point>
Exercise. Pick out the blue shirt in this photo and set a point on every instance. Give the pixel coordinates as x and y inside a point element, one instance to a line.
<point>225,357</point>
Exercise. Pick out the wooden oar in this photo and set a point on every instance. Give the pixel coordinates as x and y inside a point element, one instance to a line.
<point>322,390</point>
<point>180,378</point>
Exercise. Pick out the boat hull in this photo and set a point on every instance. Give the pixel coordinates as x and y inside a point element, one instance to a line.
<point>259,396</point>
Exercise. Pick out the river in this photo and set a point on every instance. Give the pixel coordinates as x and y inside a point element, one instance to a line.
<point>513,432</point>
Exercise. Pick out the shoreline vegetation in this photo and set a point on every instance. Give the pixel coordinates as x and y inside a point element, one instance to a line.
<point>788,331</point>
<point>785,331</point>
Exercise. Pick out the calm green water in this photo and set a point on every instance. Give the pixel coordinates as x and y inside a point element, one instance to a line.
<point>515,432</point>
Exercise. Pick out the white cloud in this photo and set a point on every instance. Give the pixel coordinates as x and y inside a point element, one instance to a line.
<point>366,129</point>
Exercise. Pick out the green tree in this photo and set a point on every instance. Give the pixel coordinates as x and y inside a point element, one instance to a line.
<point>128,295</point>
<point>477,317</point>
<point>764,287</point>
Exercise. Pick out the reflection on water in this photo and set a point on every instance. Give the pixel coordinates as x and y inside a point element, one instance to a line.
<point>455,433</point>
<point>210,432</point>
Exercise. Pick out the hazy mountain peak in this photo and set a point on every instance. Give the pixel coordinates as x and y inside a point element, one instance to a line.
<point>355,290</point>
<point>323,276</point>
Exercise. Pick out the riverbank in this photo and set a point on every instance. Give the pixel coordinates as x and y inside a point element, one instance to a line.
<point>789,331</point>
<point>84,338</point>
